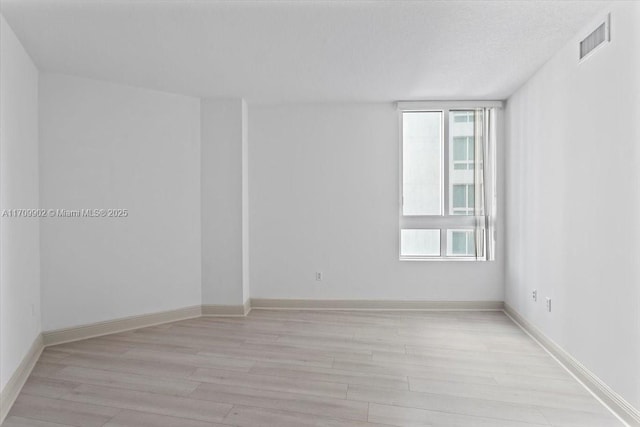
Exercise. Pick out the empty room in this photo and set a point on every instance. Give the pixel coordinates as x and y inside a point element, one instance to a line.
<point>321,213</point>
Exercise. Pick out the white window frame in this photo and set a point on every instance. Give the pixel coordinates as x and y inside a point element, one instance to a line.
<point>445,221</point>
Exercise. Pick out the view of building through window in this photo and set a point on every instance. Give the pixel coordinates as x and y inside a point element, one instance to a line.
<point>462,157</point>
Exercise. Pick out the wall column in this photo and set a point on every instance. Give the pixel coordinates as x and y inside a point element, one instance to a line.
<point>224,205</point>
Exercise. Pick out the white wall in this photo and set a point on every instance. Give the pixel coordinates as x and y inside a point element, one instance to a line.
<point>19,255</point>
<point>104,145</point>
<point>324,183</point>
<point>224,211</point>
<point>573,192</point>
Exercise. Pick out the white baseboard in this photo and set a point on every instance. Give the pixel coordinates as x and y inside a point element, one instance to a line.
<point>226,310</point>
<point>383,305</point>
<point>19,377</point>
<point>92,330</point>
<point>612,400</point>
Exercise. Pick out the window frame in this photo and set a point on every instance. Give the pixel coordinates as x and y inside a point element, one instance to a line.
<point>446,220</point>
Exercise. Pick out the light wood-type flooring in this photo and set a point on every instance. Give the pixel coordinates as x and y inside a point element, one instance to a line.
<point>309,368</point>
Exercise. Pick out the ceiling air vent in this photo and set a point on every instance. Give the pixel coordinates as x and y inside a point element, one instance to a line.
<point>597,38</point>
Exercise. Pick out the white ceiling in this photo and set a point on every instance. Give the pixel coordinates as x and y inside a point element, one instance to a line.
<point>304,51</point>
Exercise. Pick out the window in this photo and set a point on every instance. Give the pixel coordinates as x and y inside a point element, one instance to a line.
<point>447,183</point>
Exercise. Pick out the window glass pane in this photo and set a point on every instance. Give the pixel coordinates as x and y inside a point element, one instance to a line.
<point>462,116</point>
<point>421,167</point>
<point>471,243</point>
<point>461,175</point>
<point>459,196</point>
<point>420,242</point>
<point>458,243</point>
<point>461,243</point>
<point>460,148</point>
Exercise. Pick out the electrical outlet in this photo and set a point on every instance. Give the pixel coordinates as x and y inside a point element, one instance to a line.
<point>548,301</point>
<point>319,276</point>
<point>534,295</point>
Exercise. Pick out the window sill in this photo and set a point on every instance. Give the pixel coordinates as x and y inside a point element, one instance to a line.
<point>446,259</point>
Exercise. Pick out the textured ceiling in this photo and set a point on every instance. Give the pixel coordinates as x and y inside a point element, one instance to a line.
<point>304,51</point>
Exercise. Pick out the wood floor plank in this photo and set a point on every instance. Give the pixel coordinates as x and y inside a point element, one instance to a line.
<point>130,365</point>
<point>50,355</point>
<point>79,414</point>
<point>29,422</point>
<point>128,381</point>
<point>313,405</point>
<point>339,343</point>
<point>531,382</point>
<point>451,404</point>
<point>92,346</point>
<point>254,329</point>
<point>222,360</point>
<point>581,401</point>
<point>305,351</point>
<point>246,416</point>
<point>534,358</point>
<point>466,374</point>
<point>46,369</point>
<point>231,332</point>
<point>143,342</point>
<point>164,337</point>
<point>175,406</point>
<point>269,382</point>
<point>419,371</point>
<point>412,417</point>
<point>312,373</point>
<point>251,356</point>
<point>569,418</point>
<point>481,365</point>
<point>48,387</point>
<point>128,418</point>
